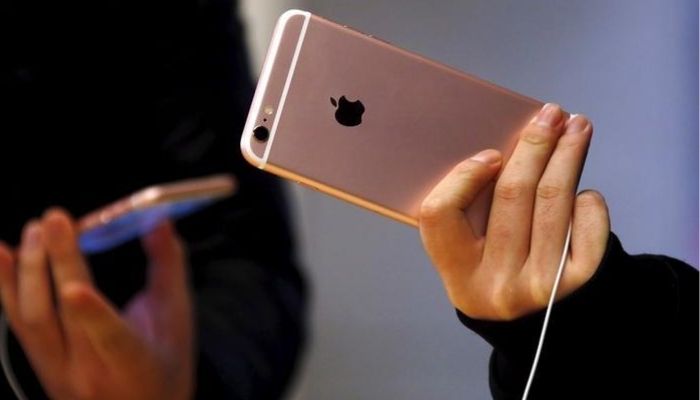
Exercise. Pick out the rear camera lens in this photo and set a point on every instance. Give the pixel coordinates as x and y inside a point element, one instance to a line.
<point>261,133</point>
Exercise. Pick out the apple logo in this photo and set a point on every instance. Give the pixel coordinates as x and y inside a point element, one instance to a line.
<point>348,113</point>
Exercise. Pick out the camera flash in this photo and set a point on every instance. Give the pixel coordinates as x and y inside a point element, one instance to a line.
<point>268,110</point>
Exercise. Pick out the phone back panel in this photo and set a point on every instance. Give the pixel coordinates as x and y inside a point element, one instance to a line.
<point>420,118</point>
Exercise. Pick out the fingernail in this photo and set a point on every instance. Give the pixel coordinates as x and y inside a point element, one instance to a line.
<point>577,124</point>
<point>550,115</point>
<point>32,236</point>
<point>487,157</point>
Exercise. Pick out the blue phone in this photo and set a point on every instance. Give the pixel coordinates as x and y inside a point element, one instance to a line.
<point>138,214</point>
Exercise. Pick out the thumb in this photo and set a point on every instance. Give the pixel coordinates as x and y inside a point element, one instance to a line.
<point>443,224</point>
<point>167,275</point>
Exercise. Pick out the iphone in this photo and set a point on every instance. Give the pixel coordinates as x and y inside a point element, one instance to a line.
<point>368,122</point>
<point>137,214</point>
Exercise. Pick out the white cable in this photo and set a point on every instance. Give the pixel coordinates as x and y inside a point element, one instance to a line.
<point>562,262</point>
<point>5,361</point>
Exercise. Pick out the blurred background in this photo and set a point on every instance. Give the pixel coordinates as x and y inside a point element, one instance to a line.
<point>382,327</point>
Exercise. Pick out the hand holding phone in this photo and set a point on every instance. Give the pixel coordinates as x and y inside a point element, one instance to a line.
<point>142,211</point>
<point>52,303</point>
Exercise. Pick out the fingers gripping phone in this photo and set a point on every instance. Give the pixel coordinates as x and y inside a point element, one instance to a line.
<point>139,213</point>
<point>370,123</point>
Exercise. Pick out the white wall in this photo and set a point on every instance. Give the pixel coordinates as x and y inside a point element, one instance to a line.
<point>382,327</point>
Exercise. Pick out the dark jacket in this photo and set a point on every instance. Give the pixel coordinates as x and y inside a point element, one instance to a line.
<point>101,98</point>
<point>631,332</point>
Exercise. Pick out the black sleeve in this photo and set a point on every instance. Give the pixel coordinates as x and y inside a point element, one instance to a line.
<point>630,332</point>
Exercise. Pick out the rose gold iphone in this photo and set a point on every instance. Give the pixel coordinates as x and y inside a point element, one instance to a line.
<point>139,213</point>
<point>370,123</point>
